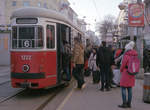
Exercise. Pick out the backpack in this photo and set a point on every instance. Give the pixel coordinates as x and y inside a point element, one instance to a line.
<point>133,65</point>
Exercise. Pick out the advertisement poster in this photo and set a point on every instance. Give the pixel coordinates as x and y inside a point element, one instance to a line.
<point>136,14</point>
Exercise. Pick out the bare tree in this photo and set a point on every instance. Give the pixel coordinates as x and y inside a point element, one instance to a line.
<point>107,25</point>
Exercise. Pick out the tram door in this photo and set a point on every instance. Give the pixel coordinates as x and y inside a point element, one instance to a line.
<point>63,34</point>
<point>51,54</point>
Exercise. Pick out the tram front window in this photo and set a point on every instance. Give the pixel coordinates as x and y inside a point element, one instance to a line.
<point>27,37</point>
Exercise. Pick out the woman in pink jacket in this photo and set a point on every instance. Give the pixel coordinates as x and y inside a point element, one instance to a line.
<point>127,81</point>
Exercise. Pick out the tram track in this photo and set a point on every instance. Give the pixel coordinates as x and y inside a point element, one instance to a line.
<point>53,95</point>
<point>23,92</point>
<point>26,97</point>
<point>50,98</point>
<point>2,100</point>
<point>4,82</point>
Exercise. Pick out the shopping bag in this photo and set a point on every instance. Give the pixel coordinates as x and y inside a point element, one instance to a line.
<point>116,78</point>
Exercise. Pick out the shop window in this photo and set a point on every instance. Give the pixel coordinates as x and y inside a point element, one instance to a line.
<point>39,4</point>
<point>45,6</point>
<point>26,3</point>
<point>14,3</point>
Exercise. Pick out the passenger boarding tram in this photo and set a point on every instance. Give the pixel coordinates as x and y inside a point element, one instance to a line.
<point>36,47</point>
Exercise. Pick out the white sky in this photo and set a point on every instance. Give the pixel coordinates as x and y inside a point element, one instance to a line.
<point>87,8</point>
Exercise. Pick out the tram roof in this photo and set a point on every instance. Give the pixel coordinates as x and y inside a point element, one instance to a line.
<point>41,12</point>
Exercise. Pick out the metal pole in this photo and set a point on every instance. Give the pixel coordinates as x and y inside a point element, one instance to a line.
<point>139,1</point>
<point>139,44</point>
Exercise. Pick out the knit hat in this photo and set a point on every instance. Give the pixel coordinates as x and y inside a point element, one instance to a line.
<point>129,46</point>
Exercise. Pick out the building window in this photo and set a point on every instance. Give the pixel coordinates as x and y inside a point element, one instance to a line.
<point>14,3</point>
<point>39,4</point>
<point>45,6</point>
<point>26,3</point>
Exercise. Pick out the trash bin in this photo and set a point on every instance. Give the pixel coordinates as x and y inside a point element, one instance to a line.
<point>146,88</point>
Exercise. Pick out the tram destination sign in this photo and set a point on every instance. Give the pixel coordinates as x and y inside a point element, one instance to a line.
<point>26,20</point>
<point>136,14</point>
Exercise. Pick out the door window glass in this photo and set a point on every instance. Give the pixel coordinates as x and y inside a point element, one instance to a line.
<point>50,36</point>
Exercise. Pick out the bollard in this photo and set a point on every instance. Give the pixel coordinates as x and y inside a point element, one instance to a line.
<point>146,88</point>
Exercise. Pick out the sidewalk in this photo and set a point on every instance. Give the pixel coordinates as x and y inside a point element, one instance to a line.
<point>90,98</point>
<point>4,74</point>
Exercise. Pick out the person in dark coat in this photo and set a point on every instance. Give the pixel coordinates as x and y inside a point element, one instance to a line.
<point>146,60</point>
<point>104,62</point>
<point>112,52</point>
<point>66,59</point>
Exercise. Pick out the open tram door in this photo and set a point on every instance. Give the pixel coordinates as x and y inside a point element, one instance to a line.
<point>63,34</point>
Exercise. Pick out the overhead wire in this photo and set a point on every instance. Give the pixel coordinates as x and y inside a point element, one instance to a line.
<point>96,8</point>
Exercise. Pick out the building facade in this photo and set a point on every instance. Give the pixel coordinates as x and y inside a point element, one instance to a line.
<point>122,21</point>
<point>147,24</point>
<point>8,6</point>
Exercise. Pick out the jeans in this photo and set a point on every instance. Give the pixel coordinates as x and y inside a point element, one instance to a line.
<point>105,77</point>
<point>78,74</point>
<point>123,90</point>
<point>66,70</point>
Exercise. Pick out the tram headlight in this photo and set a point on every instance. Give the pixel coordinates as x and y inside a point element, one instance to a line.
<point>25,68</point>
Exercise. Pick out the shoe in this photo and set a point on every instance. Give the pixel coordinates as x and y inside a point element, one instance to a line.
<point>129,105</point>
<point>102,89</point>
<point>122,106</point>
<point>107,89</point>
<point>81,85</point>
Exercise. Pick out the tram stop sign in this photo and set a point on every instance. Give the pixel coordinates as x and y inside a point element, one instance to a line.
<point>136,14</point>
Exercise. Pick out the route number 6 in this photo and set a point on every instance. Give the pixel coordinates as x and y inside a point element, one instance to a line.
<point>26,43</point>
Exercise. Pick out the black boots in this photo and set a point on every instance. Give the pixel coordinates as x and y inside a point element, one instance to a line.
<point>125,105</point>
<point>128,105</point>
<point>102,89</point>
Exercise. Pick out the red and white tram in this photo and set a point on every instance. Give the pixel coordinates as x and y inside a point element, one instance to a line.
<point>36,45</point>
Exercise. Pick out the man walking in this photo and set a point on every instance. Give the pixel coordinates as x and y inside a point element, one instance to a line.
<point>104,61</point>
<point>78,62</point>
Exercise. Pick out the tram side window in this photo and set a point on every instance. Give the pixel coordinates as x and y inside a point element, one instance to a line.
<point>14,37</point>
<point>40,37</point>
<point>50,37</point>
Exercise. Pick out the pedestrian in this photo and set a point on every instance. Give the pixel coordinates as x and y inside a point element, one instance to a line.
<point>66,55</point>
<point>87,53</point>
<point>78,62</point>
<point>116,71</point>
<point>146,60</point>
<point>127,81</point>
<point>111,76</point>
<point>93,67</point>
<point>104,62</point>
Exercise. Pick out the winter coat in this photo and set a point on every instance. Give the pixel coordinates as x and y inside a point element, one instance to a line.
<point>78,54</point>
<point>66,55</point>
<point>104,57</point>
<point>92,62</point>
<point>126,79</point>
